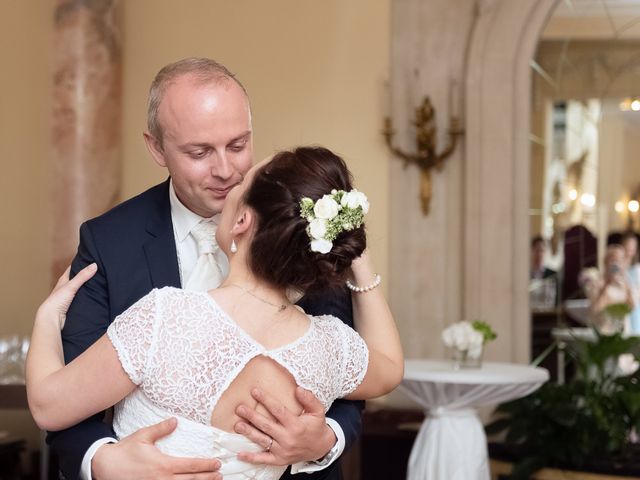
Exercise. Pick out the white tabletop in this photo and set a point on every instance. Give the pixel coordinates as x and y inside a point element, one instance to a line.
<point>442,371</point>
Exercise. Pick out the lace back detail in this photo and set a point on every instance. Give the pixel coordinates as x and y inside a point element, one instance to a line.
<point>184,351</point>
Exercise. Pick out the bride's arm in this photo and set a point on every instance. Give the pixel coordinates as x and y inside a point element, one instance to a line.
<point>60,396</point>
<point>374,322</point>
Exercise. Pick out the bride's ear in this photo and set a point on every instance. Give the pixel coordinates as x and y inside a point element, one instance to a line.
<point>245,220</point>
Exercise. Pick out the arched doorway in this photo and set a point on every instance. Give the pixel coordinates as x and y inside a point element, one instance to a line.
<point>497,96</point>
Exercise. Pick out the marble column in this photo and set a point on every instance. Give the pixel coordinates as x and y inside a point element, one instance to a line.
<point>87,93</point>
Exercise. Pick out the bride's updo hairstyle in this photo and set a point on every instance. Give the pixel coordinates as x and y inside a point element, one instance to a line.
<point>280,252</point>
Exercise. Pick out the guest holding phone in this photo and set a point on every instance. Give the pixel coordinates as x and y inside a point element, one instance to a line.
<point>612,288</point>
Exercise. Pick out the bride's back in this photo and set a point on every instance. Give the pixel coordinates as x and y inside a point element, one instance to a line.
<point>261,372</point>
<point>272,329</point>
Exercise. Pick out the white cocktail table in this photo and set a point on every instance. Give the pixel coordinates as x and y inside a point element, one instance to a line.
<point>451,443</point>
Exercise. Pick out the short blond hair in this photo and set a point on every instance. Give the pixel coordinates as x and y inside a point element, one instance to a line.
<point>202,70</point>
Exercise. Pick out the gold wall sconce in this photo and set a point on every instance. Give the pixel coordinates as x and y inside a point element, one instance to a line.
<point>426,157</point>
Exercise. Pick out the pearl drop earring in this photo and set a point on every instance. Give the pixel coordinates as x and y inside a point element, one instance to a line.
<point>234,247</point>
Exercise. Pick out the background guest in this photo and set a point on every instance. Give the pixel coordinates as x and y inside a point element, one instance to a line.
<point>610,288</point>
<point>630,244</point>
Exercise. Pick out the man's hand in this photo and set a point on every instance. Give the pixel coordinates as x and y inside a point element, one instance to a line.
<point>136,456</point>
<point>296,438</point>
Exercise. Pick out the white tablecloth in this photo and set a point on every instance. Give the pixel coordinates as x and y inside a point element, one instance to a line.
<point>451,443</point>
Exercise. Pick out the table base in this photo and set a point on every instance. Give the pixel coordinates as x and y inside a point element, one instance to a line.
<point>450,446</point>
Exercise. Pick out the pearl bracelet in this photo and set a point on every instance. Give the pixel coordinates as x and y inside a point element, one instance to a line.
<point>376,281</point>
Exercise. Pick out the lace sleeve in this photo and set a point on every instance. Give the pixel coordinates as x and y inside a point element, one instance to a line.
<point>132,333</point>
<point>355,359</point>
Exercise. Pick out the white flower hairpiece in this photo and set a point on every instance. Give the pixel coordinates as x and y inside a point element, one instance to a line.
<point>331,215</point>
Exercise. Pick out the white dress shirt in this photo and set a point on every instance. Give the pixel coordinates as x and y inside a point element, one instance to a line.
<point>183,221</point>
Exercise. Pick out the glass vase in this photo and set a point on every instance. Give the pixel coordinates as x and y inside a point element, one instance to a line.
<point>467,359</point>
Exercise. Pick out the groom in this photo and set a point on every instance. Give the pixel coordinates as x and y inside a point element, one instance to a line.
<point>199,128</point>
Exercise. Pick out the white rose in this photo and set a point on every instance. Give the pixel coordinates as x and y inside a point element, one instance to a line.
<point>318,228</point>
<point>451,335</point>
<point>363,201</point>
<point>476,339</point>
<point>447,337</point>
<point>348,200</point>
<point>326,207</point>
<point>462,337</point>
<point>321,245</point>
<point>355,199</point>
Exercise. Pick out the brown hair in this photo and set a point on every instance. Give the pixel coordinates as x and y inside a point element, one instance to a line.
<point>203,70</point>
<point>280,252</point>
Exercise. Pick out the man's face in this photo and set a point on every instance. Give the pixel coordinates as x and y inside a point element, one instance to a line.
<point>207,141</point>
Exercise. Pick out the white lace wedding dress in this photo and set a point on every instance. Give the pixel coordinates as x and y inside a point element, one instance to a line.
<point>183,351</point>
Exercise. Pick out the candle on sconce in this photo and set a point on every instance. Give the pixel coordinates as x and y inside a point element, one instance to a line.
<point>454,100</point>
<point>386,99</point>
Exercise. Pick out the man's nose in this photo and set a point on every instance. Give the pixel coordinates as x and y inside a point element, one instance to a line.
<point>222,167</point>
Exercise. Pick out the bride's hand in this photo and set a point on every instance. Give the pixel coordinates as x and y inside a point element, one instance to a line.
<point>362,272</point>
<point>58,301</point>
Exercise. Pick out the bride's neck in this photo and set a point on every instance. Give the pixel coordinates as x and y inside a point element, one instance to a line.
<point>241,275</point>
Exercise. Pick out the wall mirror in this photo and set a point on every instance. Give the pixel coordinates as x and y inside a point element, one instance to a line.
<point>585,160</point>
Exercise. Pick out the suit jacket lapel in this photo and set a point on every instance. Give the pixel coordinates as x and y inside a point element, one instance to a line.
<point>160,250</point>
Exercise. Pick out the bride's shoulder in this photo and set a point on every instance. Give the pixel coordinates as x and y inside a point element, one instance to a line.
<point>171,294</point>
<point>327,322</point>
<point>175,291</point>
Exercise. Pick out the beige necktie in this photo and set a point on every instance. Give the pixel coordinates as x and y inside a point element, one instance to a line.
<point>207,273</point>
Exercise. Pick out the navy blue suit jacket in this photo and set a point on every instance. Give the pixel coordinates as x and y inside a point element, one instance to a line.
<point>133,245</point>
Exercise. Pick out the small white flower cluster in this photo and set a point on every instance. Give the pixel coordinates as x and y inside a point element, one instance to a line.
<point>332,214</point>
<point>462,336</point>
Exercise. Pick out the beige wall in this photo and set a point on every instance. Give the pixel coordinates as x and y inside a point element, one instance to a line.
<point>25,33</point>
<point>314,70</point>
<point>24,140</point>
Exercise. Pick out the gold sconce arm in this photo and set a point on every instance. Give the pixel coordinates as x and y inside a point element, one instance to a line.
<point>426,156</point>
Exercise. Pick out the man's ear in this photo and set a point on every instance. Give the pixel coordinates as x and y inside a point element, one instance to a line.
<point>155,149</point>
<point>245,219</point>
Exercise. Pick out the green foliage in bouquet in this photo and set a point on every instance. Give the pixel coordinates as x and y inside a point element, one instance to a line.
<point>588,419</point>
<point>617,310</point>
<point>485,329</point>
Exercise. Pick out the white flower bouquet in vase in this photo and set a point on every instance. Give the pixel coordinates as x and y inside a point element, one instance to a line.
<point>466,341</point>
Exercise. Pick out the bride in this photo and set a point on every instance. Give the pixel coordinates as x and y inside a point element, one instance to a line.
<point>294,224</point>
